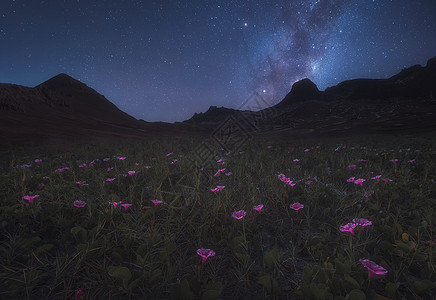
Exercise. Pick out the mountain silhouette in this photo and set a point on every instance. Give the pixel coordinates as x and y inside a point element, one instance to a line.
<point>405,101</point>
<point>65,107</point>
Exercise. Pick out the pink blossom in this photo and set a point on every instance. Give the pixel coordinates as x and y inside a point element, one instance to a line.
<point>30,198</point>
<point>220,161</point>
<point>121,158</point>
<point>205,253</point>
<point>373,268</point>
<point>218,188</point>
<point>79,203</point>
<point>228,174</point>
<point>269,147</point>
<point>359,181</point>
<point>394,160</point>
<point>362,222</point>
<point>412,161</point>
<point>361,160</point>
<point>38,160</point>
<point>131,173</point>
<point>115,204</point>
<point>306,150</point>
<point>110,179</point>
<point>351,167</point>
<point>239,214</point>
<point>106,159</point>
<point>174,161</point>
<point>369,193</point>
<point>258,207</point>
<point>219,172</point>
<point>82,165</point>
<point>296,206</point>
<point>351,179</point>
<point>156,202</point>
<point>308,182</point>
<point>296,160</point>
<point>126,205</point>
<point>109,169</point>
<point>376,177</point>
<point>79,294</point>
<point>387,179</point>
<point>82,183</point>
<point>147,167</point>
<point>45,177</point>
<point>169,154</point>
<point>137,164</point>
<point>348,227</point>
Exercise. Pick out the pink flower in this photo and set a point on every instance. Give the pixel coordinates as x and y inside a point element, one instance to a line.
<point>110,179</point>
<point>412,161</point>
<point>351,167</point>
<point>359,181</point>
<point>45,177</point>
<point>121,158</point>
<point>146,207</point>
<point>376,177</point>
<point>79,293</point>
<point>373,268</point>
<point>228,174</point>
<point>126,205</point>
<point>361,160</point>
<point>218,188</point>
<point>79,203</point>
<point>115,204</point>
<point>205,253</point>
<point>306,150</point>
<point>362,222</point>
<point>82,183</point>
<point>296,206</point>
<point>296,160</point>
<point>394,160</point>
<point>106,159</point>
<point>137,164</point>
<point>169,154</point>
<point>239,214</point>
<point>147,167</point>
<point>348,227</point>
<point>219,172</point>
<point>308,182</point>
<point>269,147</point>
<point>369,194</point>
<point>131,173</point>
<point>387,179</point>
<point>38,160</point>
<point>156,202</point>
<point>220,161</point>
<point>30,198</point>
<point>351,179</point>
<point>258,207</point>
<point>82,165</point>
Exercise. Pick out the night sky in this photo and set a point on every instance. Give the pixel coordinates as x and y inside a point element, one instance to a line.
<point>165,60</point>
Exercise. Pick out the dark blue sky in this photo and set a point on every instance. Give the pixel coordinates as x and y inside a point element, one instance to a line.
<point>165,60</point>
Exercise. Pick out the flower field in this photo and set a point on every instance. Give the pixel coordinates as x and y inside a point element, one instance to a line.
<point>148,220</point>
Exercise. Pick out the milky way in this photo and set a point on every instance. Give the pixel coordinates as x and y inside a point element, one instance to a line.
<point>165,60</point>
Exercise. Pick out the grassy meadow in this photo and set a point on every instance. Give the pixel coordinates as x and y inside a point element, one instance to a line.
<point>93,231</point>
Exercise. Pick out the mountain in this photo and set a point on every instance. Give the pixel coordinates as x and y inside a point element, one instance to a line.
<point>63,107</point>
<point>406,101</point>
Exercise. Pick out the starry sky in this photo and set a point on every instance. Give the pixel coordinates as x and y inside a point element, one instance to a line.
<point>163,60</point>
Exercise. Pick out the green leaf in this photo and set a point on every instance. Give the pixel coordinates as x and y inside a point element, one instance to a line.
<point>118,272</point>
<point>354,284</point>
<point>272,258</point>
<point>423,286</point>
<point>269,283</point>
<point>357,294</point>
<point>182,291</point>
<point>307,274</point>
<point>44,248</point>
<point>30,241</point>
<point>211,295</point>
<point>133,284</point>
<point>79,234</point>
<point>155,276</point>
